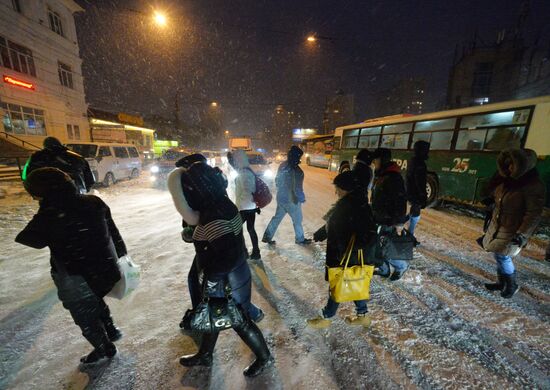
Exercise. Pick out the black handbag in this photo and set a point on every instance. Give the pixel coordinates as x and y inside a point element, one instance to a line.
<point>214,314</point>
<point>392,246</point>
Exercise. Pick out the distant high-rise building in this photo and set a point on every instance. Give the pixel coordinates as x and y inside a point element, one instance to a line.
<point>282,123</point>
<point>404,97</point>
<point>339,111</point>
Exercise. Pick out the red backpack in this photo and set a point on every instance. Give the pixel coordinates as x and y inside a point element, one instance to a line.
<point>262,196</point>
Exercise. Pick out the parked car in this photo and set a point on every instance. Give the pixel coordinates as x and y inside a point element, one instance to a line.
<point>165,164</point>
<point>109,161</point>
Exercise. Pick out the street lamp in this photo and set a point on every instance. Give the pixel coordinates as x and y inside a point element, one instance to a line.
<point>311,38</point>
<point>160,18</point>
<point>214,104</point>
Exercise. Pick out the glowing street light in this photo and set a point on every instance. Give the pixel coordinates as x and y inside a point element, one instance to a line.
<point>311,38</point>
<point>160,19</point>
<point>214,104</point>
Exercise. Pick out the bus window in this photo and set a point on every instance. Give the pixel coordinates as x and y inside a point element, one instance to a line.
<point>516,117</point>
<point>441,124</point>
<point>441,140</point>
<point>421,137</point>
<point>398,128</point>
<point>395,141</point>
<point>371,130</point>
<point>504,138</point>
<point>470,139</point>
<point>368,141</point>
<point>350,139</point>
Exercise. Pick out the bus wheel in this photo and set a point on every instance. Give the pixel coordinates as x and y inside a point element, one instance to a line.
<point>432,191</point>
<point>344,167</point>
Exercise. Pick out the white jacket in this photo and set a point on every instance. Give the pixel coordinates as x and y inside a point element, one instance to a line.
<point>245,182</point>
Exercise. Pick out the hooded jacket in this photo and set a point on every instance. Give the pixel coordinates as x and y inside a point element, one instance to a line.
<point>80,233</point>
<point>417,174</point>
<point>69,162</point>
<point>389,198</point>
<point>519,201</point>
<point>245,182</point>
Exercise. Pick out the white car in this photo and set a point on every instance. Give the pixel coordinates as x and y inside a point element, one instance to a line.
<point>261,166</point>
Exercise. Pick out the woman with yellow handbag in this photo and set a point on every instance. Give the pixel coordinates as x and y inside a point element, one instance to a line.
<point>350,232</point>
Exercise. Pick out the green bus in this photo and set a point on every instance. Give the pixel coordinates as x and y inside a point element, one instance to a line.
<point>464,142</point>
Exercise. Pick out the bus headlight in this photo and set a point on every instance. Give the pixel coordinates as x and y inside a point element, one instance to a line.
<point>268,174</point>
<point>154,169</point>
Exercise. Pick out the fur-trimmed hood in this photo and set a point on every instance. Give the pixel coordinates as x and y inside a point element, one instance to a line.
<point>190,216</point>
<point>523,160</point>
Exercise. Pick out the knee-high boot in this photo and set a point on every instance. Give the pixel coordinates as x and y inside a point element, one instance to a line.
<point>206,350</point>
<point>253,337</point>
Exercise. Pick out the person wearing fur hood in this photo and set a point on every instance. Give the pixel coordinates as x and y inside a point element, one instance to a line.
<point>245,186</point>
<point>519,202</point>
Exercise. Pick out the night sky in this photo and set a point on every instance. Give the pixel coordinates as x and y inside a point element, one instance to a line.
<point>251,55</point>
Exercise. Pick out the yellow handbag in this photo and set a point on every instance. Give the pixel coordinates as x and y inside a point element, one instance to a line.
<point>353,283</point>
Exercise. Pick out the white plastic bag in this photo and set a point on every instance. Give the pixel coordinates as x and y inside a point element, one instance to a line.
<point>129,278</point>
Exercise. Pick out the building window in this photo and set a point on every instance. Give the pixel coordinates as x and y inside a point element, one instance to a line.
<point>16,57</point>
<point>23,120</point>
<point>16,6</point>
<point>481,84</point>
<point>73,132</point>
<point>70,134</point>
<point>65,75</point>
<point>55,22</point>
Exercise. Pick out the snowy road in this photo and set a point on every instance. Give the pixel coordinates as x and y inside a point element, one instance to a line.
<point>436,328</point>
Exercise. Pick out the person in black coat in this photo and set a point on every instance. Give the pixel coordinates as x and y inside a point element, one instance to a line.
<point>363,171</point>
<point>221,256</point>
<point>417,172</point>
<point>389,205</point>
<point>350,216</point>
<point>55,155</point>
<point>85,245</point>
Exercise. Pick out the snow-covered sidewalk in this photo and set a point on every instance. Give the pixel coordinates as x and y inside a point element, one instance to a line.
<point>436,328</point>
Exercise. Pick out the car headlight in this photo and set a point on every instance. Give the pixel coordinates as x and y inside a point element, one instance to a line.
<point>154,169</point>
<point>268,174</point>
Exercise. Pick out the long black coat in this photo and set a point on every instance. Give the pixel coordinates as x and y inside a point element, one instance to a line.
<point>80,233</point>
<point>389,198</point>
<point>350,215</point>
<point>417,173</point>
<point>69,162</point>
<point>364,175</point>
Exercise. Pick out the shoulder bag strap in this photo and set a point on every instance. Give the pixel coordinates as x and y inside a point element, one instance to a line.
<point>349,250</point>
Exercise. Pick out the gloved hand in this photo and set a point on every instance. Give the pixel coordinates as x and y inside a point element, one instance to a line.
<point>187,234</point>
<point>519,240</point>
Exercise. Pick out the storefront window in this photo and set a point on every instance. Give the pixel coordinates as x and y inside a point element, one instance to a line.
<point>23,120</point>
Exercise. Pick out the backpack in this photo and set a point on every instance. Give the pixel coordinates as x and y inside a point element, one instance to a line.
<point>262,196</point>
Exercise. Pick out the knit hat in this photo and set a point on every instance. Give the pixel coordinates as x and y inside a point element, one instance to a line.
<point>384,154</point>
<point>187,161</point>
<point>48,182</point>
<point>345,181</point>
<point>364,156</point>
<point>203,185</point>
<point>52,143</point>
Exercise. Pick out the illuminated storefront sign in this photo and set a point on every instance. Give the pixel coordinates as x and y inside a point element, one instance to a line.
<point>19,83</point>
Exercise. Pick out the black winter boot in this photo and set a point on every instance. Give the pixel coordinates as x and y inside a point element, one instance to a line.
<point>498,286</point>
<point>253,337</point>
<point>103,348</point>
<point>113,332</point>
<point>204,356</point>
<point>510,286</point>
